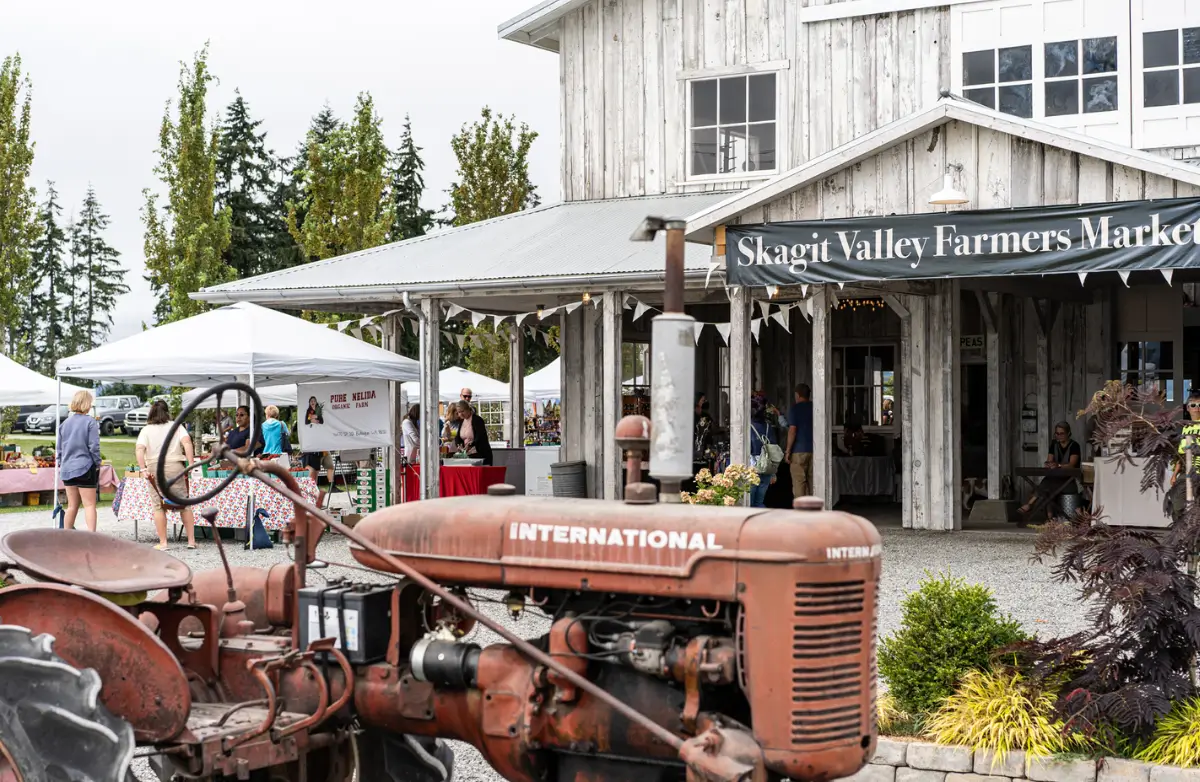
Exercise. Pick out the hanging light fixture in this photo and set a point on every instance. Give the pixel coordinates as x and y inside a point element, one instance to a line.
<point>541,311</point>
<point>586,297</point>
<point>948,195</point>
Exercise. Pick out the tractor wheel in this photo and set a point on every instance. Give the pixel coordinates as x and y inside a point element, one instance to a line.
<point>389,757</point>
<point>52,726</point>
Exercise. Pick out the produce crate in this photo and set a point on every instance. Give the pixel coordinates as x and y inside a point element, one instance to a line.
<point>33,498</point>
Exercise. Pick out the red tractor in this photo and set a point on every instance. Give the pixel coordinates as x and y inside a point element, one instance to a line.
<point>683,642</point>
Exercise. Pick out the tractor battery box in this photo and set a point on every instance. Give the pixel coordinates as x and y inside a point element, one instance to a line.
<point>364,612</point>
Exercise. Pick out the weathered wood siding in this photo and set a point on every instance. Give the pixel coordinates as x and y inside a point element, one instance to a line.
<point>623,105</point>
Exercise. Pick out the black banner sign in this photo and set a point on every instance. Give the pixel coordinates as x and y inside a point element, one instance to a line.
<point>1125,236</point>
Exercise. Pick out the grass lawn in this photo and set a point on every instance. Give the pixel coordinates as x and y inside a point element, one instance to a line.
<point>118,450</point>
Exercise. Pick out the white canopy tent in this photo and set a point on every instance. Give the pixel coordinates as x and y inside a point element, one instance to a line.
<point>239,341</point>
<point>453,380</point>
<point>20,385</point>
<point>546,383</point>
<point>280,396</point>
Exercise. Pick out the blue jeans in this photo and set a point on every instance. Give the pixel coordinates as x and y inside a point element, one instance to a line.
<point>758,494</point>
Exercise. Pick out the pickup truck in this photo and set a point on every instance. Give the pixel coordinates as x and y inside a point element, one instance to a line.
<point>135,420</point>
<point>111,411</point>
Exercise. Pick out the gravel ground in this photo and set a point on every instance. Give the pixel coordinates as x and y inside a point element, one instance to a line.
<point>997,559</point>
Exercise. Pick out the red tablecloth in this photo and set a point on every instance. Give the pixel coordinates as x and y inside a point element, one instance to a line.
<point>454,481</point>
<point>19,481</point>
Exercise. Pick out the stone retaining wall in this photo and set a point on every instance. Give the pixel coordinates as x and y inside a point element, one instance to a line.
<point>915,761</point>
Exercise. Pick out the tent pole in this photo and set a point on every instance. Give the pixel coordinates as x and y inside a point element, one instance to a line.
<point>57,460</point>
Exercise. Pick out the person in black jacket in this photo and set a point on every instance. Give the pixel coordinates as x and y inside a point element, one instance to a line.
<point>472,434</point>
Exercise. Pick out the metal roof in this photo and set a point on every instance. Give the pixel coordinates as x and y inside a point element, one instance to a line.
<point>560,244</point>
<point>538,26</point>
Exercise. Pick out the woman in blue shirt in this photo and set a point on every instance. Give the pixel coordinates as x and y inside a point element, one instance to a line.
<point>276,439</point>
<point>79,460</point>
<point>760,430</point>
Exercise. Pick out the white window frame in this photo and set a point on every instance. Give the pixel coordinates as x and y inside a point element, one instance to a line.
<point>1080,78</point>
<point>1177,111</point>
<point>1115,126</point>
<point>782,134</point>
<point>842,346</point>
<point>996,84</point>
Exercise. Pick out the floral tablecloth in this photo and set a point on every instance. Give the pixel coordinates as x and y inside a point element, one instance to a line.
<point>136,505</point>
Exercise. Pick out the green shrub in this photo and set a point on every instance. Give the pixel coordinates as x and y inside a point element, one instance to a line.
<point>948,627</point>
<point>1000,711</point>
<point>1176,740</point>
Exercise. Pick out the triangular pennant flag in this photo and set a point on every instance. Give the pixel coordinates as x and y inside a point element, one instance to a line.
<point>521,317</point>
<point>754,327</point>
<point>547,313</point>
<point>770,293</point>
<point>477,318</point>
<point>1124,275</point>
<point>804,289</point>
<point>841,285</point>
<point>723,330</point>
<point>807,317</point>
<point>629,300</point>
<point>390,312</point>
<point>366,322</point>
<point>356,331</point>
<point>343,325</point>
<point>573,306</point>
<point>461,339</point>
<point>781,318</point>
<point>640,310</point>
<point>764,307</point>
<point>712,267</point>
<point>453,310</point>
<point>1167,274</point>
<point>697,328</point>
<point>1082,277</point>
<point>545,337</point>
<point>498,319</point>
<point>808,305</point>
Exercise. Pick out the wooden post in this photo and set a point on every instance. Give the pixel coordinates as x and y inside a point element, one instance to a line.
<point>516,387</point>
<point>1046,312</point>
<point>822,397</point>
<point>431,365</point>
<point>392,333</point>
<point>719,241</point>
<point>901,306</point>
<point>573,388</point>
<point>740,350</point>
<point>951,379</point>
<point>915,412</point>
<point>613,312</point>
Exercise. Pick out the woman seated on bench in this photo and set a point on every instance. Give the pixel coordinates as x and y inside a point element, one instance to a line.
<point>1064,453</point>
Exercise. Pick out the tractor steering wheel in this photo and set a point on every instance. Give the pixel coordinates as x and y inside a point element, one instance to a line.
<point>165,487</point>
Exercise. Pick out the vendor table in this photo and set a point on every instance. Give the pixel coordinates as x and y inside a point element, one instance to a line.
<point>16,481</point>
<point>863,476</point>
<point>1043,502</point>
<point>136,504</point>
<point>454,481</point>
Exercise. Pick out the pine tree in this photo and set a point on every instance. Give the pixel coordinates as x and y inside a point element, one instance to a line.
<point>292,191</point>
<point>409,218</point>
<point>18,210</point>
<point>102,279</point>
<point>73,281</point>
<point>184,242</point>
<point>244,187</point>
<point>49,295</point>
<point>344,183</point>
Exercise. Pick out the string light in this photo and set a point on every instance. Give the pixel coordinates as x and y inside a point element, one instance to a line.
<point>853,305</point>
<point>586,297</point>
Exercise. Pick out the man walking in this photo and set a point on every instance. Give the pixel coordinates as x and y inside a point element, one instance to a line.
<point>800,441</point>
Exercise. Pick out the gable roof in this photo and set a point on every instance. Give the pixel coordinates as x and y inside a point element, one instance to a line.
<point>700,224</point>
<point>572,243</point>
<point>538,26</point>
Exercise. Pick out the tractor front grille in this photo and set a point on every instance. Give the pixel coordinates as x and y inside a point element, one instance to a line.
<point>828,675</point>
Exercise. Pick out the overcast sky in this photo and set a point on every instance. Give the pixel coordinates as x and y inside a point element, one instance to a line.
<point>102,73</point>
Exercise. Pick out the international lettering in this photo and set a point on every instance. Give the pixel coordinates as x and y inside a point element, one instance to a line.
<point>853,552</point>
<point>613,536</point>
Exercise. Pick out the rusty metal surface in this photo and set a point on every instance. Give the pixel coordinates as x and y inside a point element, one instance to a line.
<point>93,561</point>
<point>267,594</point>
<point>142,682</point>
<point>200,654</point>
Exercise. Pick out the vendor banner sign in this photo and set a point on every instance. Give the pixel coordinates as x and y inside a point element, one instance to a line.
<point>1125,236</point>
<point>343,416</point>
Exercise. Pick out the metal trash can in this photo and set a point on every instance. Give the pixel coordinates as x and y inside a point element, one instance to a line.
<point>569,479</point>
<point>1069,503</point>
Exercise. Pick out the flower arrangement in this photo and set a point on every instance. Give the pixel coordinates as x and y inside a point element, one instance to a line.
<point>726,488</point>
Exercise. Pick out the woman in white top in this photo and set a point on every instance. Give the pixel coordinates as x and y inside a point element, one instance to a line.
<point>410,431</point>
<point>150,443</point>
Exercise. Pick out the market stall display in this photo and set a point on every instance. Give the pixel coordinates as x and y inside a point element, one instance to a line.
<point>30,474</point>
<point>455,481</point>
<point>543,427</point>
<point>136,505</point>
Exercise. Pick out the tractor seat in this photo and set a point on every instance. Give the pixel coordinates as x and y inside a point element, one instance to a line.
<point>98,563</point>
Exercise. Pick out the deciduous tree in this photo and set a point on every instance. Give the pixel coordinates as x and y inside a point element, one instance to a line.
<point>493,169</point>
<point>18,211</point>
<point>185,241</point>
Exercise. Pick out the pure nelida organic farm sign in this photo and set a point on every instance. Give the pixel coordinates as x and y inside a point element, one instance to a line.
<point>1126,236</point>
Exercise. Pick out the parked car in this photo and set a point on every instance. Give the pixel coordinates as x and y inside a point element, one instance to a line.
<point>135,421</point>
<point>23,416</point>
<point>42,422</point>
<point>111,411</point>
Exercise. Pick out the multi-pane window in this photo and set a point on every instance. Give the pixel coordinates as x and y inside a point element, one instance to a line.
<point>1081,76</point>
<point>1000,79</point>
<point>1171,67</point>
<point>1150,366</point>
<point>732,127</point>
<point>864,385</point>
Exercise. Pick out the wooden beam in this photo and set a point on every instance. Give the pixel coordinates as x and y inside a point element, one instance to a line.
<point>916,414</point>
<point>822,398</point>
<point>719,241</point>
<point>740,351</point>
<point>998,388</point>
<point>430,337</point>
<point>893,301</point>
<point>516,386</point>
<point>987,310</point>
<point>392,331</point>
<point>612,312</point>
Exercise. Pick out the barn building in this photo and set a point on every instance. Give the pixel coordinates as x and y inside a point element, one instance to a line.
<point>1015,128</point>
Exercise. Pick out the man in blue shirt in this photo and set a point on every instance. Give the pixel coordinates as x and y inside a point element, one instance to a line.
<point>799,452</point>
